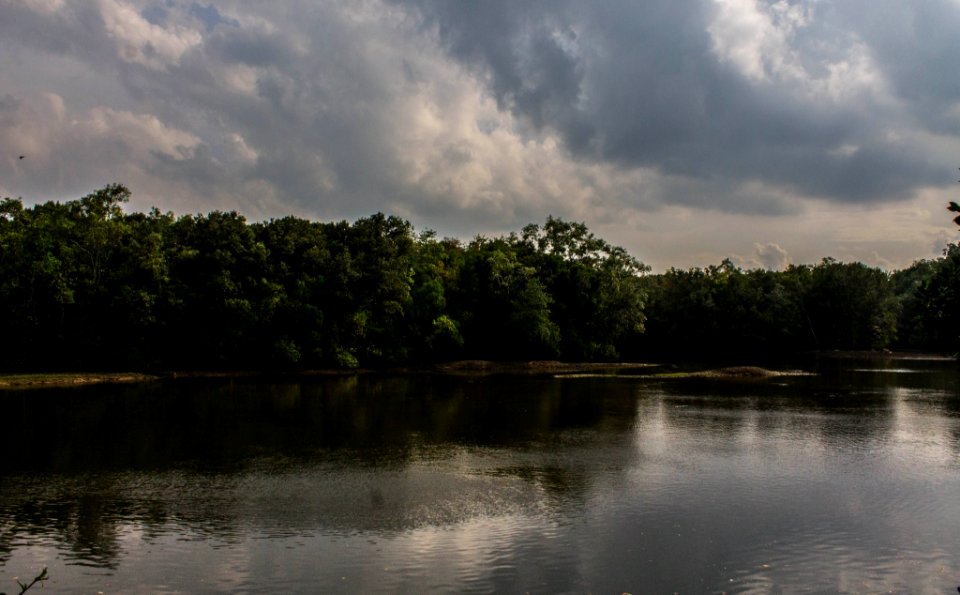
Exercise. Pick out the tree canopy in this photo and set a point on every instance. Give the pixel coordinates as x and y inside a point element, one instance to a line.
<point>86,285</point>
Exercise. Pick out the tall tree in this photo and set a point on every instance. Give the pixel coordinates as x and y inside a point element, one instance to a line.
<point>596,288</point>
<point>219,291</point>
<point>503,306</point>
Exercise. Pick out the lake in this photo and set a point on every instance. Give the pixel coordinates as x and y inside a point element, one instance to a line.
<point>844,481</point>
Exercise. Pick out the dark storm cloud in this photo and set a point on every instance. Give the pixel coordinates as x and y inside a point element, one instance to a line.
<point>208,14</point>
<point>251,47</point>
<point>526,49</point>
<point>315,110</point>
<point>73,29</point>
<point>917,45</point>
<point>475,116</point>
<point>640,84</point>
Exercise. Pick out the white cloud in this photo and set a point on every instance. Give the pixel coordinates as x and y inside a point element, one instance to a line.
<point>769,256</point>
<point>142,42</point>
<point>241,151</point>
<point>68,151</point>
<point>240,78</point>
<point>756,37</point>
<point>761,40</point>
<point>772,256</point>
<point>45,6</point>
<point>140,134</point>
<point>741,129</point>
<point>854,75</point>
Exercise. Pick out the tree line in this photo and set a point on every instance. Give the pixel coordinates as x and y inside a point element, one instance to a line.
<point>725,310</point>
<point>86,285</point>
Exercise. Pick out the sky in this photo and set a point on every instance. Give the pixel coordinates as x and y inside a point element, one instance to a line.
<point>687,131</point>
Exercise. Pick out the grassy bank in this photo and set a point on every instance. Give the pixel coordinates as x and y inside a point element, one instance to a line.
<point>69,379</point>
<point>459,368</point>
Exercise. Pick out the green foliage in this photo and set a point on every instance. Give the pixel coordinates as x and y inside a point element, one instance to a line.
<point>913,328</point>
<point>432,332</point>
<point>932,302</point>
<point>725,311</point>
<point>851,306</point>
<point>597,288</point>
<point>953,207</point>
<point>929,294</point>
<point>86,286</point>
<point>503,307</point>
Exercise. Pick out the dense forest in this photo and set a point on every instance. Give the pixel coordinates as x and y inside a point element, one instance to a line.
<point>87,286</point>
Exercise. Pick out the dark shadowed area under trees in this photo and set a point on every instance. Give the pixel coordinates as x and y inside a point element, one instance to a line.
<point>85,285</point>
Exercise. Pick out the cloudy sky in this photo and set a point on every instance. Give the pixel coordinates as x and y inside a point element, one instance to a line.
<point>686,131</point>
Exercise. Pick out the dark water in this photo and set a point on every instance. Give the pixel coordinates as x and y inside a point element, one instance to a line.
<point>844,482</point>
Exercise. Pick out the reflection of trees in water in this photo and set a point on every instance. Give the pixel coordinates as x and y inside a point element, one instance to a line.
<point>851,403</point>
<point>92,532</point>
<point>7,536</point>
<point>84,525</point>
<point>349,453</point>
<point>219,425</point>
<point>807,408</point>
<point>559,486</point>
<point>384,453</point>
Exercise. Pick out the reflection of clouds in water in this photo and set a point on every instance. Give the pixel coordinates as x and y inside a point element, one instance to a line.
<point>482,553</point>
<point>827,499</point>
<point>924,436</point>
<point>675,486</point>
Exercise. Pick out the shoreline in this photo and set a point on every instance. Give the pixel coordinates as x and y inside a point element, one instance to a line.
<point>458,368</point>
<point>455,368</point>
<point>41,380</point>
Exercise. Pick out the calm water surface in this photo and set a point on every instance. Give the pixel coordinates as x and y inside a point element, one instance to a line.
<point>848,481</point>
